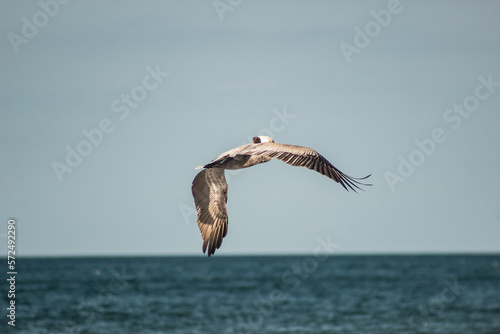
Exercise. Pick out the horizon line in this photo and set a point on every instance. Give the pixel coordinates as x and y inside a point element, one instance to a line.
<point>421,253</point>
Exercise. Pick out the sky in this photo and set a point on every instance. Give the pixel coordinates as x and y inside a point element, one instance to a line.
<point>107,107</point>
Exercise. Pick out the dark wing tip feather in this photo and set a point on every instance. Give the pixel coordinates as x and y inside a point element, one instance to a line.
<point>353,182</point>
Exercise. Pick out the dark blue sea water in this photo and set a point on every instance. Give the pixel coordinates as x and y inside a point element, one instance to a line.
<point>282,294</point>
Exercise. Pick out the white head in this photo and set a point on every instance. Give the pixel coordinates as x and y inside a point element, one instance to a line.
<point>262,139</point>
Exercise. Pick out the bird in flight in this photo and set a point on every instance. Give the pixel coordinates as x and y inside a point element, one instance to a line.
<point>210,187</point>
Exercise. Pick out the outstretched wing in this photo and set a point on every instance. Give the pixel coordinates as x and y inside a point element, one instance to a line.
<point>210,196</point>
<point>305,157</point>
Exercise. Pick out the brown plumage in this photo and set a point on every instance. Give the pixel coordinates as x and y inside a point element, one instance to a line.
<point>210,195</point>
<point>210,187</point>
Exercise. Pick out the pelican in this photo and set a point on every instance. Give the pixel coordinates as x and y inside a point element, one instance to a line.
<point>210,187</point>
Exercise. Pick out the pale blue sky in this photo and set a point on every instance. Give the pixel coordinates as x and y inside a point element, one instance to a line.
<point>229,76</point>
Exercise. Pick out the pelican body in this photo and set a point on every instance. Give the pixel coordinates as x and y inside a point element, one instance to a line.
<point>210,187</point>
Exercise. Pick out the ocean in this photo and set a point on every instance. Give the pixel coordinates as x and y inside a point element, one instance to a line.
<point>256,294</point>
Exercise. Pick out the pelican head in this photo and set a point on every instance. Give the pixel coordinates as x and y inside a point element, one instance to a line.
<point>262,139</point>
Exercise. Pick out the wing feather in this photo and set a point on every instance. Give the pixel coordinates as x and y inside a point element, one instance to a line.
<point>305,157</point>
<point>210,196</point>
